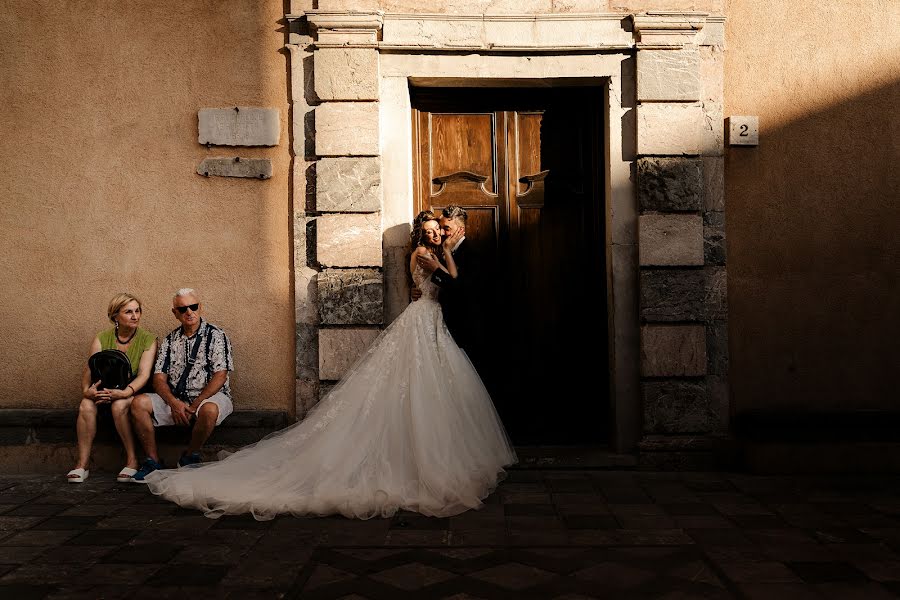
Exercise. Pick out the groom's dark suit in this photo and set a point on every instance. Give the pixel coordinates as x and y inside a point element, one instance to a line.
<point>459,299</point>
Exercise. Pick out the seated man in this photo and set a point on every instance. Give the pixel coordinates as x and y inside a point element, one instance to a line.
<point>191,383</point>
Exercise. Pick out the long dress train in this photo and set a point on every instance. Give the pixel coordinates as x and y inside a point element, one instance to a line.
<point>410,426</point>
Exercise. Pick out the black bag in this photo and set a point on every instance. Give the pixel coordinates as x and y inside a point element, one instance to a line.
<point>112,368</point>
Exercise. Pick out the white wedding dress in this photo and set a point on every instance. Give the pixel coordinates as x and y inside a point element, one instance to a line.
<point>410,426</point>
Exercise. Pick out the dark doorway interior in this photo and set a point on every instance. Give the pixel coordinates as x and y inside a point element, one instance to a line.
<point>527,165</point>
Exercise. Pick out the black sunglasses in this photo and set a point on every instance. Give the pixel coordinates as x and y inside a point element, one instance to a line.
<point>183,309</point>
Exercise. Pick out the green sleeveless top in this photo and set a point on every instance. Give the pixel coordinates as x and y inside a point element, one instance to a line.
<point>142,340</point>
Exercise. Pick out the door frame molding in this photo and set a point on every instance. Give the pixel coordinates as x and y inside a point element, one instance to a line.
<point>663,76</point>
<point>400,72</point>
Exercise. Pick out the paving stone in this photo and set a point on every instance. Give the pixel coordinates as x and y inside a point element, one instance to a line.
<point>591,522</point>
<point>103,537</point>
<point>414,521</point>
<point>854,590</point>
<point>758,572</point>
<point>189,575</point>
<point>824,572</point>
<point>37,510</point>
<point>25,591</point>
<point>692,532</point>
<point>69,522</point>
<point>241,522</point>
<point>179,592</point>
<point>10,555</point>
<point>513,576</point>
<point>258,573</point>
<point>216,554</point>
<point>145,553</point>
<point>17,523</point>
<point>38,538</point>
<point>478,537</point>
<point>73,554</point>
<point>529,510</point>
<point>778,591</point>
<point>122,574</point>
<point>537,537</point>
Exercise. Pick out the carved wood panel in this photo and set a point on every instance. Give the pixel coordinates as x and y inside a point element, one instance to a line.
<point>525,164</point>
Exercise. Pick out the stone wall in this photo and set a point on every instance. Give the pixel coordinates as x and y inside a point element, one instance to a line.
<point>664,193</point>
<point>680,183</point>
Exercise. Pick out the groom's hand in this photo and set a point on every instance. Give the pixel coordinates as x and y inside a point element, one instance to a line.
<point>415,293</point>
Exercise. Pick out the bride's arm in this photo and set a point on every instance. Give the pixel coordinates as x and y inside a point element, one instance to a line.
<point>451,264</point>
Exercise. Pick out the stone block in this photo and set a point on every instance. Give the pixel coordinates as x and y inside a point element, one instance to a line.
<point>673,295</point>
<point>340,348</point>
<point>625,338</point>
<point>346,73</point>
<point>719,401</point>
<point>677,407</point>
<point>673,350</point>
<point>712,74</point>
<point>239,126</point>
<point>717,347</point>
<point>713,183</point>
<point>669,129</point>
<point>668,75</point>
<point>349,240</point>
<point>347,129</point>
<point>714,252</point>
<point>712,140</point>
<point>670,240</point>
<point>252,168</point>
<point>716,300</point>
<point>301,57</point>
<point>306,346</point>
<point>306,395</point>
<point>670,184</point>
<point>351,297</point>
<point>303,131</point>
<point>713,33</point>
<point>305,309</point>
<point>348,184</point>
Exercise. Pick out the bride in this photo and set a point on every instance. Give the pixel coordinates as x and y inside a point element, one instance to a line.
<point>410,426</point>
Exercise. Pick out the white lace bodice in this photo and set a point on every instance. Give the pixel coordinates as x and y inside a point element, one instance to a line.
<point>423,282</point>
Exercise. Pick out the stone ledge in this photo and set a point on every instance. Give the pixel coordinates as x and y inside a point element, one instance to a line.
<point>31,426</point>
<point>711,452</point>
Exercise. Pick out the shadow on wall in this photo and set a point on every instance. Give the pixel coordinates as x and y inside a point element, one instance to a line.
<point>813,253</point>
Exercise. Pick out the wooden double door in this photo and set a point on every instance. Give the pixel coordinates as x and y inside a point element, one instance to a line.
<point>527,166</point>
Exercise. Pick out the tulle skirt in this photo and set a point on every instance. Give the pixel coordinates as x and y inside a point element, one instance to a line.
<point>410,426</point>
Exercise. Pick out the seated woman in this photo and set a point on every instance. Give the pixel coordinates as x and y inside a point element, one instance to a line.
<point>140,347</point>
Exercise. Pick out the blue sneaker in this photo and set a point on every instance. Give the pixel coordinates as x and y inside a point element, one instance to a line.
<point>147,467</point>
<point>189,460</point>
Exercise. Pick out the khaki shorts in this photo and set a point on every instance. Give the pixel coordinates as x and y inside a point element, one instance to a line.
<point>162,414</point>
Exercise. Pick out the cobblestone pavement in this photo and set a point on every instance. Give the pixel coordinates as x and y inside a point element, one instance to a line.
<point>544,534</point>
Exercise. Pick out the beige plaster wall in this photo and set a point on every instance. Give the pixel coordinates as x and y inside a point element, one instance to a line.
<point>98,148</point>
<point>813,218</point>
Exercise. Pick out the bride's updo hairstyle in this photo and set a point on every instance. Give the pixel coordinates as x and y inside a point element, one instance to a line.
<point>415,236</point>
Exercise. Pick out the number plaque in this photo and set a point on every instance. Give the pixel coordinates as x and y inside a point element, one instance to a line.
<point>742,131</point>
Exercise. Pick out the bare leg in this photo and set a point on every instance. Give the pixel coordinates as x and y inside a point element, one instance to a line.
<point>141,418</point>
<point>203,428</point>
<point>86,428</point>
<point>122,419</point>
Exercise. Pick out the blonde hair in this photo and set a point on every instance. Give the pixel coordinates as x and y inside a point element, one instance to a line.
<point>118,301</point>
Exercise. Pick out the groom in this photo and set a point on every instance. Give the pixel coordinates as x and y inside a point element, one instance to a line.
<point>462,299</point>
